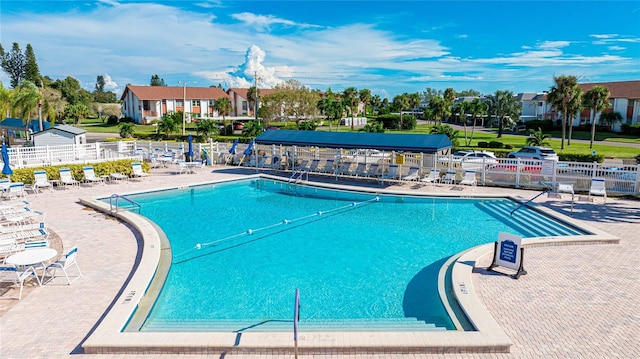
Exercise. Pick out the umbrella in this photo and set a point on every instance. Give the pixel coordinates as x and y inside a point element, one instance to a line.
<point>232,150</point>
<point>6,170</point>
<point>247,152</point>
<point>190,141</point>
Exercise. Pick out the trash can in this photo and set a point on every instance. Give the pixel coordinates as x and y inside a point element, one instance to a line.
<point>187,158</point>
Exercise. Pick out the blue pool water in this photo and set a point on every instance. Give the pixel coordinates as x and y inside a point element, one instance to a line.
<point>241,249</point>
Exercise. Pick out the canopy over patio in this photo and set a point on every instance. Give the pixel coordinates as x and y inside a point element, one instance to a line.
<point>356,140</point>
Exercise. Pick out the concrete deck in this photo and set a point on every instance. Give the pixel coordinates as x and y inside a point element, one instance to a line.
<point>575,301</point>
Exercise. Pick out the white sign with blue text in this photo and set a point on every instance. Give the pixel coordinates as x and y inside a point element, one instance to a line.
<point>508,252</point>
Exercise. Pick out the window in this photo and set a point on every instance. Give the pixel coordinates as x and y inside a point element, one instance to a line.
<point>195,103</point>
<point>244,105</point>
<point>179,103</point>
<point>164,102</point>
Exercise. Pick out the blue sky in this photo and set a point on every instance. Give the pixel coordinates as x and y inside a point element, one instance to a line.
<point>389,47</point>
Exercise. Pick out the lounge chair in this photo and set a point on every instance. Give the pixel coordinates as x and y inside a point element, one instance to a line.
<point>15,190</point>
<point>90,175</point>
<point>117,176</point>
<point>302,165</point>
<point>64,263</point>
<point>137,171</point>
<point>373,170</point>
<point>565,188</point>
<point>313,166</point>
<point>344,168</point>
<point>413,175</point>
<point>329,167</point>
<point>469,178</point>
<point>391,174</point>
<point>11,274</point>
<point>40,180</point>
<point>361,170</point>
<point>598,188</point>
<point>449,177</point>
<point>66,178</point>
<point>433,177</point>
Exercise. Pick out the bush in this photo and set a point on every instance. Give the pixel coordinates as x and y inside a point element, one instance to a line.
<point>25,175</point>
<point>544,125</point>
<point>574,157</point>
<point>633,130</point>
<point>508,146</point>
<point>112,120</point>
<point>483,144</point>
<point>307,125</point>
<point>496,144</point>
<point>127,119</point>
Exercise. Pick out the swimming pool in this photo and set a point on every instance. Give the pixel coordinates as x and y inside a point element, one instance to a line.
<point>375,262</point>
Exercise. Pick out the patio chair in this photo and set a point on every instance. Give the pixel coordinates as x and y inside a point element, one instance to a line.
<point>344,168</point>
<point>433,177</point>
<point>565,188</point>
<point>391,174</point>
<point>66,178</point>
<point>11,274</point>
<point>361,170</point>
<point>373,170</point>
<point>598,188</point>
<point>8,246</point>
<point>36,244</point>
<point>469,178</point>
<point>117,176</point>
<point>329,166</point>
<point>137,171</point>
<point>313,166</point>
<point>15,190</point>
<point>413,175</point>
<point>64,264</point>
<point>302,165</point>
<point>40,181</point>
<point>449,177</point>
<point>90,175</point>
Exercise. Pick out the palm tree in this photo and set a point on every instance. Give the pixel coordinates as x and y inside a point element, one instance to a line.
<point>206,127</point>
<point>438,108</point>
<point>365,98</point>
<point>5,102</point>
<point>401,102</point>
<point>414,101</point>
<point>350,98</point>
<point>505,106</point>
<point>223,106</point>
<point>537,138</point>
<point>252,96</point>
<point>169,123</point>
<point>563,96</point>
<point>462,108</point>
<point>449,97</point>
<point>25,99</point>
<point>476,108</point>
<point>126,129</point>
<point>597,99</point>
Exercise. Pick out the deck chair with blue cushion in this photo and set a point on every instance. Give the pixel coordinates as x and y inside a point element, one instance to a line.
<point>66,178</point>
<point>469,178</point>
<point>90,175</point>
<point>433,177</point>
<point>412,175</point>
<point>137,171</point>
<point>12,274</point>
<point>598,188</point>
<point>40,180</point>
<point>449,177</point>
<point>65,263</point>
<point>392,173</point>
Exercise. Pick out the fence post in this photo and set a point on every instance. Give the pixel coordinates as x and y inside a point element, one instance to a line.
<point>518,168</point>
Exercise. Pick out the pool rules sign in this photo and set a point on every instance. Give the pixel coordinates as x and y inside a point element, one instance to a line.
<point>508,253</point>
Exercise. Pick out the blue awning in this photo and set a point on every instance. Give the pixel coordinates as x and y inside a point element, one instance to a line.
<point>356,140</point>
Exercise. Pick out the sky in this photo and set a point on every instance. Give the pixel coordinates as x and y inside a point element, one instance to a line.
<point>389,47</point>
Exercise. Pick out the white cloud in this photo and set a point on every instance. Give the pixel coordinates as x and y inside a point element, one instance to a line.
<point>616,48</point>
<point>264,22</point>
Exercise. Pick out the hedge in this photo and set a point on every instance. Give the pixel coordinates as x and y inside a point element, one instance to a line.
<point>25,175</point>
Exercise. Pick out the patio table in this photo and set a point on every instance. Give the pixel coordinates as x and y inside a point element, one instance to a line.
<point>31,257</point>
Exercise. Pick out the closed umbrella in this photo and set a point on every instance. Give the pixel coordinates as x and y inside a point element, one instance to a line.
<point>6,169</point>
<point>232,150</point>
<point>246,152</point>
<point>190,152</point>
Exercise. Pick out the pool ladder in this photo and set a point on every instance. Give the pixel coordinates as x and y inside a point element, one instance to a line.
<point>525,203</point>
<point>297,175</point>
<point>113,203</point>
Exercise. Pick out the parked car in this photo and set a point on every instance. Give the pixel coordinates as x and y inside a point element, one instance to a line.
<point>370,156</point>
<point>475,160</point>
<point>535,152</point>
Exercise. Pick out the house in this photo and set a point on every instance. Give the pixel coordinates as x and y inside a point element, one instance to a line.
<point>240,101</point>
<point>60,135</point>
<point>147,103</point>
<point>624,98</point>
<point>533,105</point>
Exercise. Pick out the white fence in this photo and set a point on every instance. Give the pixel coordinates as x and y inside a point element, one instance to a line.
<point>518,173</point>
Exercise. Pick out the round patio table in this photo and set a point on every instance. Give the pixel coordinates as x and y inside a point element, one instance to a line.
<point>31,256</point>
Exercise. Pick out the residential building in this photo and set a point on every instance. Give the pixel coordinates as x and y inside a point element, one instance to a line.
<point>240,101</point>
<point>147,103</point>
<point>533,105</point>
<point>624,98</point>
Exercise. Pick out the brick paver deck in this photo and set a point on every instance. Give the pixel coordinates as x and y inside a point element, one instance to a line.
<point>575,302</point>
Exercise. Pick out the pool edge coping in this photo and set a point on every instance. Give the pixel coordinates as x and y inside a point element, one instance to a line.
<point>109,337</point>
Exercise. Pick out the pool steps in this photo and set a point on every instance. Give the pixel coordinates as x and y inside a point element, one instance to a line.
<point>531,223</point>
<point>390,324</point>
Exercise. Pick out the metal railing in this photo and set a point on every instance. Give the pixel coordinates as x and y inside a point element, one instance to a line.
<point>113,207</point>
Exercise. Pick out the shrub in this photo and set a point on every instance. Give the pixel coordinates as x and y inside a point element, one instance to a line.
<point>508,146</point>
<point>633,130</point>
<point>112,120</point>
<point>574,157</point>
<point>544,125</point>
<point>127,119</point>
<point>483,144</point>
<point>496,144</point>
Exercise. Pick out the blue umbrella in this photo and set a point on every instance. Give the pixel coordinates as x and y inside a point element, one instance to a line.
<point>232,150</point>
<point>6,170</point>
<point>247,152</point>
<point>190,141</point>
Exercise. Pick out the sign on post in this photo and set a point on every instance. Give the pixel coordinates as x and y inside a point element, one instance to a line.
<point>508,253</point>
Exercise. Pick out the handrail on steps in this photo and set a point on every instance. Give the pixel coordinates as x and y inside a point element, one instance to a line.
<point>298,175</point>
<point>117,197</point>
<point>525,203</point>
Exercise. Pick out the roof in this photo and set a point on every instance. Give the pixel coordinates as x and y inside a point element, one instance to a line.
<point>174,92</point>
<point>243,92</point>
<point>65,128</point>
<point>17,123</point>
<point>356,140</point>
<point>619,89</point>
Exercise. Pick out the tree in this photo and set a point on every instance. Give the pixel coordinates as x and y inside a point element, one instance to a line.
<point>206,127</point>
<point>505,106</point>
<point>477,109</point>
<point>438,108</point>
<point>77,112</point>
<point>157,81</point>
<point>414,100</point>
<point>350,98</point>
<point>5,102</point>
<point>597,99</point>
<point>462,108</point>
<point>400,102</point>
<point>449,98</point>
<point>537,138</point>
<point>430,93</point>
<point>563,96</point>
<point>31,70</point>
<point>126,129</point>
<point>72,91</point>
<point>13,63</point>
<point>251,129</point>
<point>25,100</point>
<point>365,97</point>
<point>169,123</point>
<point>253,96</point>
<point>102,96</point>
<point>376,103</point>
<point>331,107</point>
<point>469,93</point>
<point>448,131</point>
<point>223,107</point>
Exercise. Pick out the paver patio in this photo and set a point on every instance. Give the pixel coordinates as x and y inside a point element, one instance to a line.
<point>575,302</point>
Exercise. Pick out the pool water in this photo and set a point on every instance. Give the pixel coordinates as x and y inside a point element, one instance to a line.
<point>241,249</point>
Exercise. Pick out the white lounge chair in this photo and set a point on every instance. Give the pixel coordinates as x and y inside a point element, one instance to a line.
<point>413,175</point>
<point>137,171</point>
<point>433,177</point>
<point>64,263</point>
<point>598,188</point>
<point>344,168</point>
<point>329,167</point>
<point>565,188</point>
<point>361,170</point>
<point>469,178</point>
<point>313,166</point>
<point>117,176</point>
<point>66,178</point>
<point>391,174</point>
<point>11,274</point>
<point>90,175</point>
<point>449,177</point>
<point>15,190</point>
<point>373,170</point>
<point>40,180</point>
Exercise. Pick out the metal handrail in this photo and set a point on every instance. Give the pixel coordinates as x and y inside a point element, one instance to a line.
<point>117,197</point>
<point>525,203</point>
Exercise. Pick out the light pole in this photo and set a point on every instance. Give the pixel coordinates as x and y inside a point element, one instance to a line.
<point>257,97</point>
<point>184,106</point>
